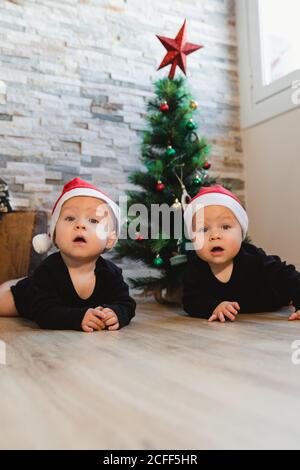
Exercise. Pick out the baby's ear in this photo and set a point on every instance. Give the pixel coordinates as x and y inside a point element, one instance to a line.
<point>112,240</point>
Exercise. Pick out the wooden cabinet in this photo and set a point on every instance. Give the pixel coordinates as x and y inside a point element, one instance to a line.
<point>17,256</point>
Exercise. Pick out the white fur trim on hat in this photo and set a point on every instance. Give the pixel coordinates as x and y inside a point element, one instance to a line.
<point>216,199</point>
<point>41,243</point>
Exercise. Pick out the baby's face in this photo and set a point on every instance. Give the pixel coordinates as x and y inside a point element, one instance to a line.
<point>84,228</point>
<point>220,232</point>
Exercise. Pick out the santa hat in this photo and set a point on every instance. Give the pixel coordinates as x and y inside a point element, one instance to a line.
<point>76,187</point>
<point>216,196</point>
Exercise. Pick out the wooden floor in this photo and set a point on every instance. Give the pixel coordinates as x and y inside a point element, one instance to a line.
<point>166,381</point>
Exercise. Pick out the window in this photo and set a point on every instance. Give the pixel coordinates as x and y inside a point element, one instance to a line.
<point>269,44</point>
<point>280,38</point>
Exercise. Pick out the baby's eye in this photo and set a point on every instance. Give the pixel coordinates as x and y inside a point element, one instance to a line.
<point>202,229</point>
<point>69,218</point>
<point>226,227</point>
<point>94,221</point>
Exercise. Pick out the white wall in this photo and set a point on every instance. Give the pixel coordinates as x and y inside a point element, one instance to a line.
<point>272,165</point>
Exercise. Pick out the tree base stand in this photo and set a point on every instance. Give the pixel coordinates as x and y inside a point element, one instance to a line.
<point>169,296</point>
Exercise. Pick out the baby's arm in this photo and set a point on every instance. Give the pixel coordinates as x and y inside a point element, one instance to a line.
<point>46,306</point>
<point>285,278</point>
<point>195,301</point>
<point>120,307</point>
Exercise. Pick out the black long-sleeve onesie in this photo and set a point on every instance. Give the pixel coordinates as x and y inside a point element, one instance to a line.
<point>49,298</point>
<point>259,283</point>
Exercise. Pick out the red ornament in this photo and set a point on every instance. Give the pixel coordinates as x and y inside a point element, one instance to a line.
<point>207,166</point>
<point>160,186</point>
<point>139,237</point>
<point>177,49</point>
<point>164,107</point>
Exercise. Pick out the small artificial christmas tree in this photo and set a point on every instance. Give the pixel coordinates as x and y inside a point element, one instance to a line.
<point>176,167</point>
<point>4,198</point>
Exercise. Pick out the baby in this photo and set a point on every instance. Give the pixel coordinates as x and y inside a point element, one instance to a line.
<point>74,288</point>
<point>223,266</point>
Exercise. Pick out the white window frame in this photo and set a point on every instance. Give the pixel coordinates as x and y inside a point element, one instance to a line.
<point>260,102</point>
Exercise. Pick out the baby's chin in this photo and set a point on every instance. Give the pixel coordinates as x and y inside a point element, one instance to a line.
<point>222,258</point>
<point>82,251</point>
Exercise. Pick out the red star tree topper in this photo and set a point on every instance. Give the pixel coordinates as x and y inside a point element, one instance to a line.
<point>177,49</point>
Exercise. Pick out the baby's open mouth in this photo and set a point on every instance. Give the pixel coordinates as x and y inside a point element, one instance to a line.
<point>79,239</point>
<point>217,249</point>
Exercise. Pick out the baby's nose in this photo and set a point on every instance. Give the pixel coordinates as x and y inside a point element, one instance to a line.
<point>80,224</point>
<point>214,235</point>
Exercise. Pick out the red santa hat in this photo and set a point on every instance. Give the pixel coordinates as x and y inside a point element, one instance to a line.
<point>216,196</point>
<point>76,187</point>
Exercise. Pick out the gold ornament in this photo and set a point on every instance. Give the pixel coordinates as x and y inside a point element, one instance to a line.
<point>193,104</point>
<point>176,205</point>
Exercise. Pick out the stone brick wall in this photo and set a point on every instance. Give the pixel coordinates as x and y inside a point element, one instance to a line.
<point>74,79</point>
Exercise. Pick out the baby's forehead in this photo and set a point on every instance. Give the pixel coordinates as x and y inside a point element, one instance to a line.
<point>82,203</point>
<point>212,213</point>
<point>217,212</point>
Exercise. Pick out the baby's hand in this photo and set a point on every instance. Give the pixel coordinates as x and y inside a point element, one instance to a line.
<point>225,309</point>
<point>295,316</point>
<point>109,318</point>
<point>92,321</point>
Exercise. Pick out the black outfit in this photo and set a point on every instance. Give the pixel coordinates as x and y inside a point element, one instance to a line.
<point>259,283</point>
<point>49,298</point>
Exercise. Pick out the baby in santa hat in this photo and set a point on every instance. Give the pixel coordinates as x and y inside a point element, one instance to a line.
<point>225,275</point>
<point>74,288</point>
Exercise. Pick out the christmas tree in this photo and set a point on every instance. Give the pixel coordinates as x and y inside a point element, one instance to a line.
<point>4,198</point>
<point>176,166</point>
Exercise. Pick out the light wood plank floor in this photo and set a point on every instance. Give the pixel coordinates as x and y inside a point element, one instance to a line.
<point>166,381</point>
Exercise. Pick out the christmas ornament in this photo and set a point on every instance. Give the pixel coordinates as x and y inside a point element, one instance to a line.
<point>170,151</point>
<point>160,186</point>
<point>164,107</point>
<point>197,179</point>
<point>177,49</point>
<point>205,177</point>
<point>139,237</point>
<point>191,125</point>
<point>207,166</point>
<point>193,104</point>
<point>185,197</point>
<point>176,205</point>
<point>4,198</point>
<point>158,261</point>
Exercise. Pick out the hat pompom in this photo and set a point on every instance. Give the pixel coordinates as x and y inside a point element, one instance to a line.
<point>41,243</point>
